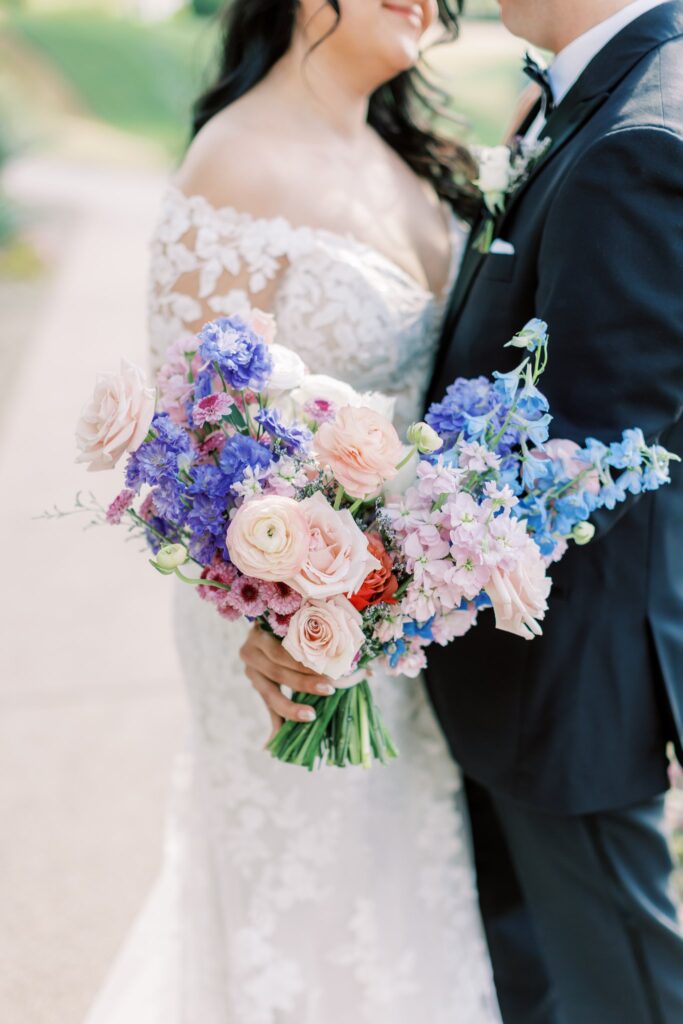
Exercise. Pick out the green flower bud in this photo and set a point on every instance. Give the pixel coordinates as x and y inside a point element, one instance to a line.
<point>171,557</point>
<point>583,533</point>
<point>424,438</point>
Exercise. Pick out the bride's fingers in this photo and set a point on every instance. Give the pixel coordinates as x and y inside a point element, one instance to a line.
<point>275,652</point>
<point>275,700</point>
<point>255,658</point>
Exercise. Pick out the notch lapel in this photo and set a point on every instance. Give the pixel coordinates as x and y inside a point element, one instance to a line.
<point>599,80</point>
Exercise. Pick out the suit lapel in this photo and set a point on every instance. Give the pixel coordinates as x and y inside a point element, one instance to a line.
<point>602,76</point>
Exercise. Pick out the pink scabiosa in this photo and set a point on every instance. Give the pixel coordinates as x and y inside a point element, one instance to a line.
<point>320,410</point>
<point>213,444</point>
<point>283,600</point>
<point>212,409</point>
<point>147,509</point>
<point>279,623</point>
<point>220,572</point>
<point>119,506</point>
<point>249,596</point>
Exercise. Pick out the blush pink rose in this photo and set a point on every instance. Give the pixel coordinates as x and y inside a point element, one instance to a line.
<point>338,558</point>
<point>565,451</point>
<point>269,538</point>
<point>326,636</point>
<point>361,448</point>
<point>520,596</point>
<point>116,419</point>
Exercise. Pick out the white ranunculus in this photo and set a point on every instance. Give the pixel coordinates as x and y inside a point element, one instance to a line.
<point>289,369</point>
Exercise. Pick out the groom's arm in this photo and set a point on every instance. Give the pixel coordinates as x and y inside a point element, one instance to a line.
<point>610,285</point>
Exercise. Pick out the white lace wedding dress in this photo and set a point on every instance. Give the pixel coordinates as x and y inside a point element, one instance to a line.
<point>288,897</point>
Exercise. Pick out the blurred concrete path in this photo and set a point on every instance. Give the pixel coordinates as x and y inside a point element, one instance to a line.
<point>91,708</point>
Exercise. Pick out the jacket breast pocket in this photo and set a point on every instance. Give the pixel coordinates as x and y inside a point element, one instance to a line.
<point>499,267</point>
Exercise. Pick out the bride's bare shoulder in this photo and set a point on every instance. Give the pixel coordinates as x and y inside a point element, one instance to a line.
<point>236,160</point>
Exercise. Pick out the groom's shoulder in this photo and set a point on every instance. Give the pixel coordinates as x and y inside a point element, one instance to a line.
<point>651,96</point>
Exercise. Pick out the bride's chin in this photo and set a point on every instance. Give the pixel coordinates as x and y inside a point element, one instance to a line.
<point>403,56</point>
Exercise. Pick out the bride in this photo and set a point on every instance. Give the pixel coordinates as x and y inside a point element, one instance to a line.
<point>311,191</point>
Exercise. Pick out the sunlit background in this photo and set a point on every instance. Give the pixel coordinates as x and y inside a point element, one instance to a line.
<point>94,112</point>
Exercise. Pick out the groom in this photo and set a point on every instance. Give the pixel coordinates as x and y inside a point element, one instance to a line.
<point>563,739</point>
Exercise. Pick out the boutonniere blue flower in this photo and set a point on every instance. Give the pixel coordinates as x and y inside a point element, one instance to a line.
<point>502,170</point>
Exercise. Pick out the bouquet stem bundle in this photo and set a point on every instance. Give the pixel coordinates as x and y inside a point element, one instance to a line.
<point>348,730</point>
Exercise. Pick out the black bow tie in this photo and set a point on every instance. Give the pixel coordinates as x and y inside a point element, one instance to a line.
<point>533,70</point>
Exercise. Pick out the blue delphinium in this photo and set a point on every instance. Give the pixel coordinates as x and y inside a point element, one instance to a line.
<point>294,439</point>
<point>156,460</point>
<point>241,453</point>
<point>229,347</point>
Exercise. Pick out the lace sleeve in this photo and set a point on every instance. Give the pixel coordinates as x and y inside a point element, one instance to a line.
<point>208,262</point>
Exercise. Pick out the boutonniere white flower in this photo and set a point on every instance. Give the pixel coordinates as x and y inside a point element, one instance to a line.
<point>502,170</point>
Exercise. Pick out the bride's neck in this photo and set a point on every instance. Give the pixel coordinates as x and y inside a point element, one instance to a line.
<point>321,92</point>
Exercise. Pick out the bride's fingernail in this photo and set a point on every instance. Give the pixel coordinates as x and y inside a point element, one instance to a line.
<point>307,715</point>
<point>325,690</point>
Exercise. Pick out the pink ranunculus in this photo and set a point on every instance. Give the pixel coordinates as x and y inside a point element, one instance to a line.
<point>361,448</point>
<point>116,419</point>
<point>269,538</point>
<point>212,409</point>
<point>566,451</point>
<point>520,595</point>
<point>338,558</point>
<point>326,636</point>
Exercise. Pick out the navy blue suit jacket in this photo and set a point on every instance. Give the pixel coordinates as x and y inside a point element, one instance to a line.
<point>578,720</point>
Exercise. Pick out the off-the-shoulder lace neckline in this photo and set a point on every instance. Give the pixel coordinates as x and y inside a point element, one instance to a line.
<point>337,236</point>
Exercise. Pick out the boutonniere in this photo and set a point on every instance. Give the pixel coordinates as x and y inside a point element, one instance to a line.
<point>502,170</point>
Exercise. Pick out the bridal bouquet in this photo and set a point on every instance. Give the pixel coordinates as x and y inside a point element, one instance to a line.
<point>276,486</point>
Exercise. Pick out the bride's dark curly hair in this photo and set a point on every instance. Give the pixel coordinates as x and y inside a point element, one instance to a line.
<point>257,33</point>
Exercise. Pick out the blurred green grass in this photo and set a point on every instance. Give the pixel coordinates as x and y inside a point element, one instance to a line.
<point>142,78</point>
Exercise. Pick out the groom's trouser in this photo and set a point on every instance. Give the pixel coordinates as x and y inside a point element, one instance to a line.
<point>597,890</point>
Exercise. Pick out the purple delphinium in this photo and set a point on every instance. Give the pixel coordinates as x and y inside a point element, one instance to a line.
<point>229,347</point>
<point>295,439</point>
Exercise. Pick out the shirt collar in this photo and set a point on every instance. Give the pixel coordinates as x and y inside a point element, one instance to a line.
<point>571,62</point>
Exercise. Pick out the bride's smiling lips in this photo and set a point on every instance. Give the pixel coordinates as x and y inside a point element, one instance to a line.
<point>412,12</point>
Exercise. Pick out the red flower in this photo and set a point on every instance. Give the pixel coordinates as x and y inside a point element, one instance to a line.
<point>381,584</point>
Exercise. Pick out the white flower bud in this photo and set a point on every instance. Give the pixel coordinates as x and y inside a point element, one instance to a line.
<point>424,438</point>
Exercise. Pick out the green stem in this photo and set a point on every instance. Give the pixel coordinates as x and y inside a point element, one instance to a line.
<point>365,748</point>
<point>338,498</point>
<point>406,460</point>
<point>194,582</point>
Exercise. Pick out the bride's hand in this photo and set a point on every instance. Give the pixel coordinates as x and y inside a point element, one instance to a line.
<point>268,667</point>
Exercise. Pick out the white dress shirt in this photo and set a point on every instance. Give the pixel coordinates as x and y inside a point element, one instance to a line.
<point>571,62</point>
